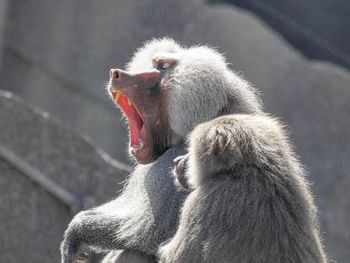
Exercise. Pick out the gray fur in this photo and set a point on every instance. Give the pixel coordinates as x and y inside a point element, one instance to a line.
<point>142,217</point>
<point>202,87</point>
<point>127,256</point>
<point>250,203</point>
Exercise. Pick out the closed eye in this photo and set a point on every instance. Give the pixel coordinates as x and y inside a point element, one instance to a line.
<point>163,66</point>
<point>163,63</point>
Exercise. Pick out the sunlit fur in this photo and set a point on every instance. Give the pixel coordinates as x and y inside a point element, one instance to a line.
<point>250,201</point>
<point>202,87</point>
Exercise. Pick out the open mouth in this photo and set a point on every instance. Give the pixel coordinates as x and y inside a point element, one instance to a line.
<point>136,123</point>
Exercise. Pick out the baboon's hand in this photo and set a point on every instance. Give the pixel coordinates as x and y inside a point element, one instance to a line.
<point>73,239</point>
<point>180,169</point>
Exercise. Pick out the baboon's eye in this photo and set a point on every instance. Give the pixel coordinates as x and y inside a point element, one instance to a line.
<point>163,66</point>
<point>163,63</point>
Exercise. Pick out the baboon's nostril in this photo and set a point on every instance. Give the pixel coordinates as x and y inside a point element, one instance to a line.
<point>114,74</point>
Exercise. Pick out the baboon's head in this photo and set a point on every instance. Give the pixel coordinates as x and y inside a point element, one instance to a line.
<point>166,90</point>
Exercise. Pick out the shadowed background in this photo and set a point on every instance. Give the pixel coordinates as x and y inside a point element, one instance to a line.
<point>56,55</point>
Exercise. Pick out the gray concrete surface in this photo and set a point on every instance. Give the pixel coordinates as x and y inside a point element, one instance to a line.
<point>57,55</point>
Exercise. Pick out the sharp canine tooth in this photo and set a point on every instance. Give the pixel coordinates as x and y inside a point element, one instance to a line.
<point>129,102</point>
<point>117,96</point>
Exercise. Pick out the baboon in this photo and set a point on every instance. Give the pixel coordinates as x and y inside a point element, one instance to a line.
<point>249,200</point>
<point>165,91</point>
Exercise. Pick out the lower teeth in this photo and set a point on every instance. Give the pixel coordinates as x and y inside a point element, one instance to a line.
<point>138,147</point>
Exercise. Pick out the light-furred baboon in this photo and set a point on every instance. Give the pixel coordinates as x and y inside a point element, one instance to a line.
<point>165,91</point>
<point>249,201</point>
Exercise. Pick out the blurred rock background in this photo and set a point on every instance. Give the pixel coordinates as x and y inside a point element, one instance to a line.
<point>319,29</point>
<point>55,55</point>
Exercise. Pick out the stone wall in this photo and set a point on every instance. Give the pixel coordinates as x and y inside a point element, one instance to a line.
<point>3,13</point>
<point>57,54</point>
<point>47,174</point>
<point>318,28</point>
